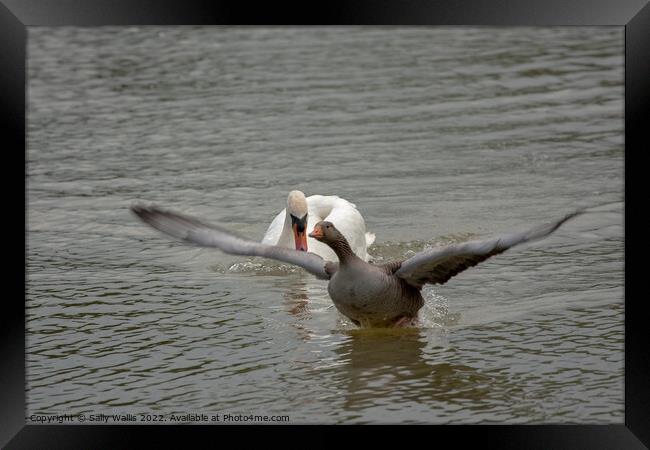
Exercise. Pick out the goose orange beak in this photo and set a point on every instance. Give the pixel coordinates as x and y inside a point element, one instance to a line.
<point>317,233</point>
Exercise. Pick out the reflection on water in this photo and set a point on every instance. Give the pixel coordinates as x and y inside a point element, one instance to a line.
<point>297,302</point>
<point>439,135</point>
<point>388,376</point>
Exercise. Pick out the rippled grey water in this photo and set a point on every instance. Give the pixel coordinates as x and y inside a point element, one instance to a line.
<point>437,134</point>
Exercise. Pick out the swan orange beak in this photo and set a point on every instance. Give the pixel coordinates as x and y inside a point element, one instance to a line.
<point>317,233</point>
<point>300,237</point>
<point>299,227</point>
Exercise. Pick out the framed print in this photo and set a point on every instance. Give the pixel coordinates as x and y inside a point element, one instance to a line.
<point>396,215</point>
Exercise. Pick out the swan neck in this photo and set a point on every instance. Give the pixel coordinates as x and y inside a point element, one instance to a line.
<point>286,237</point>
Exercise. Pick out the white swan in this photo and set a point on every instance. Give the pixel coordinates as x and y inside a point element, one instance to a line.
<point>290,230</point>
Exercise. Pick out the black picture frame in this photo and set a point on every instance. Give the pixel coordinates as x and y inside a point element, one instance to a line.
<point>16,15</point>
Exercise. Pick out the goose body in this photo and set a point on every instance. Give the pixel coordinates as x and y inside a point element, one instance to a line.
<point>342,213</point>
<point>370,295</point>
<point>381,299</point>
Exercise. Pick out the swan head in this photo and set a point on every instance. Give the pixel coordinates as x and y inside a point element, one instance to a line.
<point>326,232</point>
<point>297,211</point>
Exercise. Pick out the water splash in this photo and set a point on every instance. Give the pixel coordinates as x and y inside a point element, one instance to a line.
<point>435,312</point>
<point>256,268</point>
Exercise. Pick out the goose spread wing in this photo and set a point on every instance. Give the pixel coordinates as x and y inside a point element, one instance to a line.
<point>438,265</point>
<point>192,231</point>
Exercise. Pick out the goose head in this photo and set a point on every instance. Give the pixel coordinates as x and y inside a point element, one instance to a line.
<point>326,233</point>
<point>297,211</point>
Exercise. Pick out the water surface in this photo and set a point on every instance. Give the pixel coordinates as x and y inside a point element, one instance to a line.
<point>438,135</point>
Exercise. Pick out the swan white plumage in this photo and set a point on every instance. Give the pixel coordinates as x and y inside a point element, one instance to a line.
<point>290,230</point>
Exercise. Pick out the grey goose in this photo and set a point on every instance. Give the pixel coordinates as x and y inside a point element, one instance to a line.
<point>370,295</point>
